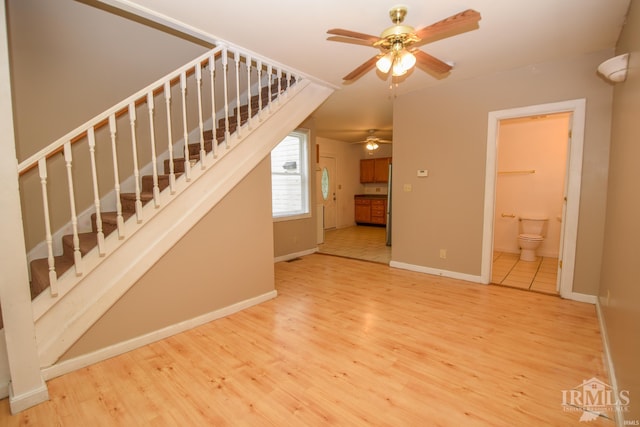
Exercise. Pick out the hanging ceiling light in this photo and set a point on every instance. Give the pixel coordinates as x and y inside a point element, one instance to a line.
<point>372,145</point>
<point>399,60</point>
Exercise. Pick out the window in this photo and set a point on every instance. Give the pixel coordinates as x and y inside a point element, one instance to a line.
<point>290,177</point>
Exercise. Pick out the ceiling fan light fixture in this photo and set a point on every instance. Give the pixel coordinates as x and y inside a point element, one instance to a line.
<point>384,63</point>
<point>371,146</point>
<point>407,60</point>
<point>398,69</point>
<point>403,62</point>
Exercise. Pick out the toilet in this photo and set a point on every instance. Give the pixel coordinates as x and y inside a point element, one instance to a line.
<point>532,233</point>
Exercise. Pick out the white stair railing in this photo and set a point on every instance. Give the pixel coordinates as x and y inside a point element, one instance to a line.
<point>219,98</point>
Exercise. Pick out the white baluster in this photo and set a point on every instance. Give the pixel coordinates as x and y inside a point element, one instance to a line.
<point>270,74</point>
<point>212,71</point>
<point>53,277</point>
<point>96,193</point>
<point>259,68</point>
<point>203,153</point>
<point>154,161</point>
<point>288,84</point>
<point>236,58</point>
<point>225,71</point>
<point>136,170</point>
<point>249,118</point>
<point>77,256</point>
<point>172,175</point>
<point>185,129</point>
<point>279,77</point>
<point>116,176</point>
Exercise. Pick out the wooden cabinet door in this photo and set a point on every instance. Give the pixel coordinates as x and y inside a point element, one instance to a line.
<point>381,169</point>
<point>378,212</point>
<point>367,170</point>
<point>362,211</point>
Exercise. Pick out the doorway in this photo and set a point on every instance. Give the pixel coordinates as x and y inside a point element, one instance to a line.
<point>327,190</point>
<point>531,163</point>
<point>571,199</point>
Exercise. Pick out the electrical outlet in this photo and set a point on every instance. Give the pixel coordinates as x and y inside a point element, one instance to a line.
<point>443,253</point>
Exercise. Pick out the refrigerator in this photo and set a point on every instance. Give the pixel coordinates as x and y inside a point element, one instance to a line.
<point>388,213</point>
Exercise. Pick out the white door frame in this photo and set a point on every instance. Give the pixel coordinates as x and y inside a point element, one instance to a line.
<point>573,177</point>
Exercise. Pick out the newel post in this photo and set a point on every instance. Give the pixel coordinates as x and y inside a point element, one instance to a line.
<point>27,387</point>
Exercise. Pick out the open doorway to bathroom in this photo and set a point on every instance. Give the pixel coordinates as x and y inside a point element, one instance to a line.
<point>568,222</point>
<point>530,188</point>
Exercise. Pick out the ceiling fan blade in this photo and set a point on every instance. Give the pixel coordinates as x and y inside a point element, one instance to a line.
<point>353,34</point>
<point>368,65</point>
<point>349,40</point>
<point>456,24</point>
<point>431,63</point>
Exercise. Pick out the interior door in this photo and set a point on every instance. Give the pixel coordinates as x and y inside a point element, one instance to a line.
<point>564,204</point>
<point>327,189</point>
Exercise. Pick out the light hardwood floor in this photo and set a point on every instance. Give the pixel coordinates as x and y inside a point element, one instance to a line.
<point>349,343</point>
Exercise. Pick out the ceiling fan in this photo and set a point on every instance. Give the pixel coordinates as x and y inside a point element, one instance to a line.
<point>399,43</point>
<point>372,142</point>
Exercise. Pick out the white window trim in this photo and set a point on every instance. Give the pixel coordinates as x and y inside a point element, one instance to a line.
<point>306,177</point>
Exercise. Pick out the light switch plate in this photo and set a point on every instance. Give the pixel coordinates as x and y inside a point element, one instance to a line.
<point>423,172</point>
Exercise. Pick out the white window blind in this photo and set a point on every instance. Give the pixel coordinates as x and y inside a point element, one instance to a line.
<point>290,176</point>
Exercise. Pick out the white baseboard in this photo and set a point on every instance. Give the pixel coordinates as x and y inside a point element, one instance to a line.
<point>608,362</point>
<point>294,255</point>
<point>27,400</point>
<point>576,296</point>
<point>436,272</point>
<point>125,346</point>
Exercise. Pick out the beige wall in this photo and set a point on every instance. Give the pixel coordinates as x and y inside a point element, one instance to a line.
<point>619,295</point>
<point>444,129</point>
<point>212,267</point>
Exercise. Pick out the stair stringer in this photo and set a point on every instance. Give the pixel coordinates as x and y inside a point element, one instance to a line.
<point>67,317</point>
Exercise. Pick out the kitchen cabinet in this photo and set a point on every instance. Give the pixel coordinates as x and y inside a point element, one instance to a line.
<point>363,211</point>
<point>374,170</point>
<point>370,210</point>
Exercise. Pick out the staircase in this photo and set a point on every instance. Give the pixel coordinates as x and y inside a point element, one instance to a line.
<point>40,278</point>
<point>227,124</point>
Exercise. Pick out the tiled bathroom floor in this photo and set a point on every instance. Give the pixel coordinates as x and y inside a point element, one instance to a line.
<point>359,242</point>
<point>539,275</point>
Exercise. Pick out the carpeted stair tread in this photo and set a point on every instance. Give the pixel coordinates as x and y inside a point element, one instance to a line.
<point>128,200</point>
<point>111,217</point>
<point>87,241</point>
<point>194,147</point>
<point>163,182</point>
<point>40,272</point>
<point>145,196</point>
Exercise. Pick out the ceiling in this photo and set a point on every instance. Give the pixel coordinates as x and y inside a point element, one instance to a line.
<point>511,34</point>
